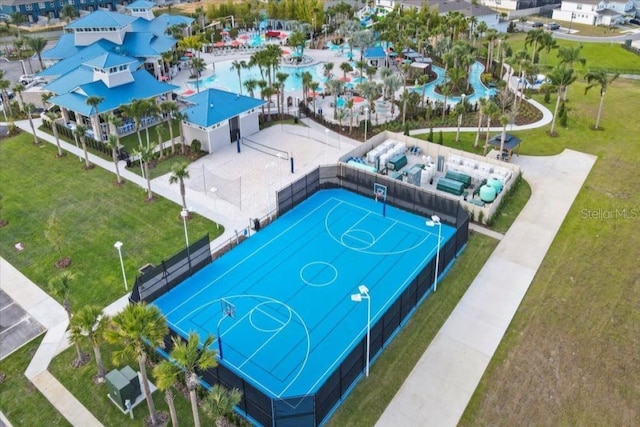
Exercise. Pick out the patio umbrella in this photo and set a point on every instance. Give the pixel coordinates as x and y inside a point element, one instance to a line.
<point>164,78</point>
<point>188,92</point>
<point>244,37</point>
<point>236,43</point>
<point>344,79</point>
<point>188,54</point>
<point>357,99</point>
<point>218,44</point>
<point>285,52</point>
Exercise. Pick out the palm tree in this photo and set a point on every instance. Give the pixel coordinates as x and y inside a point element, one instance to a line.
<point>561,77</point>
<point>180,117</point>
<point>532,39</point>
<point>306,78</point>
<point>277,89</point>
<point>180,172</point>
<point>481,108</point>
<point>166,376</point>
<point>116,122</point>
<point>504,121</point>
<point>602,79</point>
<point>53,117</point>
<point>238,66</point>
<point>297,40</point>
<point>250,85</point>
<point>281,78</point>
<point>169,109</point>
<point>547,43</point>
<point>491,110</point>
<point>219,403</point>
<point>167,57</point>
<point>114,144</point>
<point>4,86</point>
<point>89,324</point>
<point>522,58</point>
<point>80,132</point>
<point>134,328</point>
<point>190,357</point>
<point>267,93</point>
<point>459,110</point>
<point>391,84</point>
<point>346,68</point>
<point>349,106</point>
<point>37,44</point>
<point>68,12</point>
<point>313,87</point>
<point>446,91</point>
<point>199,66</point>
<point>335,87</point>
<point>136,110</point>
<point>17,19</point>
<point>60,287</point>
<point>569,55</point>
<point>146,155</point>
<point>18,88</point>
<point>94,101</point>
<point>30,108</point>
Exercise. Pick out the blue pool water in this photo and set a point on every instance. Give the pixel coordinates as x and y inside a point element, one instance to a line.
<point>480,90</point>
<point>226,79</point>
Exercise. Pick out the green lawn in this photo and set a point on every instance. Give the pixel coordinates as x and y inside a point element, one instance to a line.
<point>371,396</point>
<point>93,212</point>
<point>20,401</point>
<point>570,356</point>
<point>599,55</point>
<point>94,396</point>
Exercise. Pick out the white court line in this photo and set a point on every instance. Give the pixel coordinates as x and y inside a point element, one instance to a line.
<point>382,309</point>
<point>8,305</point>
<point>354,224</point>
<point>273,335</point>
<point>303,364</point>
<point>366,250</point>
<point>282,324</point>
<point>267,243</point>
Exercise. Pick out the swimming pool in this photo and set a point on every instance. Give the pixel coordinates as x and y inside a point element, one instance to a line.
<point>479,89</point>
<point>227,79</point>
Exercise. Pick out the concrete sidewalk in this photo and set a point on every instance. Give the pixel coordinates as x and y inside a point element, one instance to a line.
<point>441,384</point>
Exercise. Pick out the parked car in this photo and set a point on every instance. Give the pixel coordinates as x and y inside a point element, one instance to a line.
<point>538,24</point>
<point>25,79</point>
<point>635,21</point>
<point>553,26</point>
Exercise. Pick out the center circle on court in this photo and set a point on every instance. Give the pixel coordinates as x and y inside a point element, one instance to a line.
<point>270,316</point>
<point>357,239</point>
<point>318,274</point>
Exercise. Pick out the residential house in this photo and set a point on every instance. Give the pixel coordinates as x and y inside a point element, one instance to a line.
<point>595,12</point>
<point>468,9</point>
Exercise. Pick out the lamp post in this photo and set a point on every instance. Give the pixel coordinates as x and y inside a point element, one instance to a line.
<point>215,205</point>
<point>366,119</point>
<point>118,246</point>
<point>573,15</point>
<point>435,220</point>
<point>184,214</point>
<point>266,169</point>
<point>364,294</point>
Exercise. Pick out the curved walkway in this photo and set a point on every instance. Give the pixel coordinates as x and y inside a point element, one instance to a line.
<point>439,387</point>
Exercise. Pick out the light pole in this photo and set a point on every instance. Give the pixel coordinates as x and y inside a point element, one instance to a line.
<point>366,119</point>
<point>266,170</point>
<point>573,15</point>
<point>326,150</point>
<point>364,294</point>
<point>215,205</point>
<point>184,214</point>
<point>435,220</point>
<point>118,246</point>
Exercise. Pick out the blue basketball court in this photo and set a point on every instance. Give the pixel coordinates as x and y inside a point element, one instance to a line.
<point>290,285</point>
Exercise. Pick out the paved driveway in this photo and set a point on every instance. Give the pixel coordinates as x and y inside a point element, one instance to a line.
<point>17,327</point>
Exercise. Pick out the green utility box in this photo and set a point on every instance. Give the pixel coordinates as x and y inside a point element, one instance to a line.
<point>123,385</point>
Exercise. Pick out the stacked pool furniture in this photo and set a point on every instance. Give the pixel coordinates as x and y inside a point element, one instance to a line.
<point>482,175</point>
<point>379,156</point>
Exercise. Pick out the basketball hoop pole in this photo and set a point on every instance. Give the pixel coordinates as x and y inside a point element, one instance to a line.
<point>224,316</point>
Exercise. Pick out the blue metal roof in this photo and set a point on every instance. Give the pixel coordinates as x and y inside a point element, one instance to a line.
<point>141,4</point>
<point>144,86</point>
<point>71,80</point>
<point>102,19</point>
<point>142,45</point>
<point>72,62</point>
<point>108,60</point>
<point>214,106</point>
<point>374,52</point>
<point>65,47</point>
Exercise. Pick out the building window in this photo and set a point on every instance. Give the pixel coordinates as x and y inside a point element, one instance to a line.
<point>579,7</point>
<point>28,6</point>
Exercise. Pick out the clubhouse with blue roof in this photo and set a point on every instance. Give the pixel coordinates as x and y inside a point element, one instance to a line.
<point>118,59</point>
